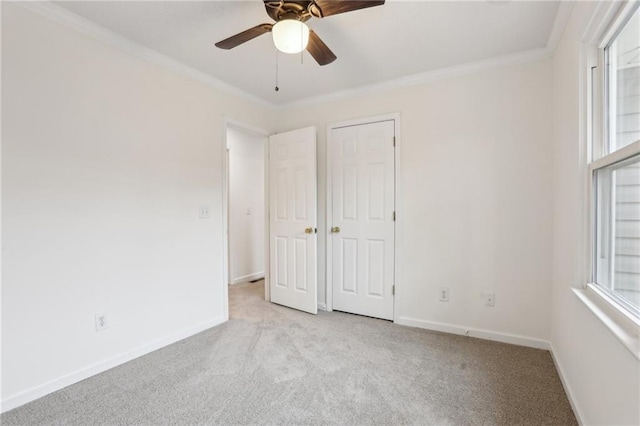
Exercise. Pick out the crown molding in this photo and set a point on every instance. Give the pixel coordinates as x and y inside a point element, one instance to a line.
<point>605,21</point>
<point>87,27</point>
<point>426,77</point>
<point>104,35</point>
<point>559,24</point>
<point>565,8</point>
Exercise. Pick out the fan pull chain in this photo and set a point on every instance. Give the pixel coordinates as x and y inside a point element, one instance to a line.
<point>277,88</point>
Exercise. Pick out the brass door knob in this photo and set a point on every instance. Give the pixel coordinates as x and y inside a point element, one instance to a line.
<point>308,230</point>
<point>335,230</point>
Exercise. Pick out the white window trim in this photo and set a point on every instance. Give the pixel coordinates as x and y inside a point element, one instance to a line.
<point>602,28</point>
<point>622,154</point>
<point>623,327</point>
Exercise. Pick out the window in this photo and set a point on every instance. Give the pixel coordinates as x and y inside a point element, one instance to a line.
<point>615,166</point>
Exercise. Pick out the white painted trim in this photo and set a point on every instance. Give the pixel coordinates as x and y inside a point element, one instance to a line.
<point>226,262</point>
<point>363,120</point>
<point>603,24</point>
<point>599,22</point>
<point>328,209</point>
<point>621,154</point>
<point>555,35</point>
<point>565,384</point>
<point>496,336</point>
<point>113,39</point>
<point>39,391</point>
<point>246,127</point>
<point>615,25</point>
<point>328,220</point>
<point>399,201</point>
<point>395,117</point>
<point>1,281</point>
<point>267,220</point>
<point>426,77</point>
<point>226,268</point>
<point>559,24</point>
<point>246,278</point>
<point>623,327</point>
<point>87,27</point>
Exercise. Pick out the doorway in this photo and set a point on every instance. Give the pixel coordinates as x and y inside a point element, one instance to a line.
<point>245,160</point>
<point>281,179</point>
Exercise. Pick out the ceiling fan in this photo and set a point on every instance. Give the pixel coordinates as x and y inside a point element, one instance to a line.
<point>290,33</point>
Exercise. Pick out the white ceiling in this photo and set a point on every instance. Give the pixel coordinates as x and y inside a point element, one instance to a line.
<point>398,39</point>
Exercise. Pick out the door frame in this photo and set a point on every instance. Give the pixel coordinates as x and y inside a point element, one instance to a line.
<point>395,117</point>
<point>257,131</point>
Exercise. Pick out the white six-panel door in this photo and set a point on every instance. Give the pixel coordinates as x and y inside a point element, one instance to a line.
<point>363,204</point>
<point>292,219</point>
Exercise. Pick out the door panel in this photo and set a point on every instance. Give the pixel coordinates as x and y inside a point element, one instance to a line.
<point>281,262</point>
<point>363,203</point>
<point>375,268</point>
<point>348,264</point>
<point>293,252</point>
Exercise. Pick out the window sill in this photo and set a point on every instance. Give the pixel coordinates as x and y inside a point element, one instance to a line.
<point>625,329</point>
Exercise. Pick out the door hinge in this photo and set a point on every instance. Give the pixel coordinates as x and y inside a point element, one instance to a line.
<point>394,141</point>
<point>393,290</point>
<point>394,216</point>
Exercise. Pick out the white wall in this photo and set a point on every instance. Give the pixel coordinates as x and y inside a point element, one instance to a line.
<point>602,376</point>
<point>246,205</point>
<point>476,196</point>
<point>106,159</point>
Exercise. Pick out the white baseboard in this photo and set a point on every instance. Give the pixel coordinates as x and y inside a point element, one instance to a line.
<point>39,391</point>
<point>565,385</point>
<point>246,278</point>
<point>513,339</point>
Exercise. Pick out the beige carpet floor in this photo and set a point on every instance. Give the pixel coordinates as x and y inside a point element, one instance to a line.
<point>274,365</point>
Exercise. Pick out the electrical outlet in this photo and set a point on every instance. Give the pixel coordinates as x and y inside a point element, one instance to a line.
<point>204,212</point>
<point>443,294</point>
<point>489,299</point>
<point>101,322</point>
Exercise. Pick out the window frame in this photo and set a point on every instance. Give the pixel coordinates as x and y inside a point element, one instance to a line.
<point>620,314</point>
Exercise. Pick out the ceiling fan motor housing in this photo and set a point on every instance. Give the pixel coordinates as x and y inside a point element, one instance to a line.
<point>300,10</point>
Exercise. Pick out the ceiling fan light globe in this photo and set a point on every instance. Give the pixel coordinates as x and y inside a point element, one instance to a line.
<point>290,36</point>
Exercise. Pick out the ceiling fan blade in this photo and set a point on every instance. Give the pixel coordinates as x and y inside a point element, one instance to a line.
<point>323,8</point>
<point>243,37</point>
<point>320,52</point>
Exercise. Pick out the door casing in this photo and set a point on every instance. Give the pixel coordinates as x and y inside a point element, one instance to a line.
<point>395,117</point>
